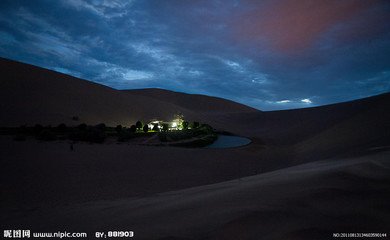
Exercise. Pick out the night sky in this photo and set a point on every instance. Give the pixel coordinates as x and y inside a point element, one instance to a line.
<point>271,55</point>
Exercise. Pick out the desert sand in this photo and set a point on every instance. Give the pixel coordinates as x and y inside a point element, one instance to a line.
<point>308,173</point>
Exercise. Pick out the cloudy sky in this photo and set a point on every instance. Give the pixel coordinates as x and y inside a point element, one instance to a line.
<point>271,55</point>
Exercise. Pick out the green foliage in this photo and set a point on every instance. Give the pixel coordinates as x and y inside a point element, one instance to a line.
<point>156,128</point>
<point>82,126</point>
<point>179,118</point>
<point>101,126</point>
<point>133,129</point>
<point>62,127</point>
<point>195,125</point>
<point>37,129</point>
<point>199,137</point>
<point>165,127</point>
<point>94,134</point>
<point>118,128</point>
<point>139,125</point>
<point>146,128</point>
<point>185,125</point>
<point>47,135</point>
<point>175,135</point>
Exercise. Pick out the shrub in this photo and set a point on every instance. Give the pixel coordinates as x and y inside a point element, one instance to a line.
<point>178,135</point>
<point>47,135</point>
<point>195,124</point>
<point>96,135</point>
<point>165,127</point>
<point>138,125</point>
<point>133,129</point>
<point>101,126</point>
<point>61,127</point>
<point>38,128</point>
<point>146,128</point>
<point>156,128</point>
<point>77,135</point>
<point>82,126</point>
<point>118,128</point>
<point>185,125</point>
<point>89,134</point>
<point>202,130</point>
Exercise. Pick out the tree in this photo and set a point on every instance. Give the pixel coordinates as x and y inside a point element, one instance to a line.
<point>195,124</point>
<point>138,125</point>
<point>23,129</point>
<point>47,135</point>
<point>185,125</point>
<point>165,127</point>
<point>156,128</point>
<point>179,119</point>
<point>101,126</point>
<point>62,127</point>
<point>38,128</point>
<point>118,128</point>
<point>146,128</point>
<point>82,126</point>
<point>133,129</point>
<point>96,135</point>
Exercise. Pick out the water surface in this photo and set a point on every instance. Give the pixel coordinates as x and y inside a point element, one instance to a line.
<point>225,141</point>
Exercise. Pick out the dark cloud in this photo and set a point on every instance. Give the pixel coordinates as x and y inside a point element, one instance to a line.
<point>267,54</point>
<point>289,26</point>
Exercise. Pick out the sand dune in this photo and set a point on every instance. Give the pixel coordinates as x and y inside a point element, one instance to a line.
<point>308,172</point>
<point>31,95</point>
<point>195,102</point>
<point>309,201</point>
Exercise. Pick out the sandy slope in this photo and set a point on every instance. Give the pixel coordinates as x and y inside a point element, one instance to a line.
<point>309,201</point>
<point>30,95</point>
<point>195,102</point>
<point>51,174</point>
